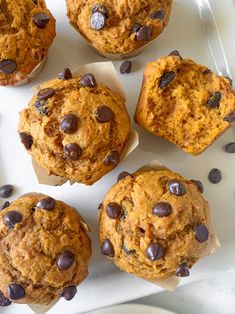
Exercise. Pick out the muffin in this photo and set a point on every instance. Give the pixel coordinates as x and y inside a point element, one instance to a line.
<point>155,224</point>
<point>27,32</point>
<point>119,28</point>
<point>185,103</point>
<point>75,128</point>
<point>44,252</point>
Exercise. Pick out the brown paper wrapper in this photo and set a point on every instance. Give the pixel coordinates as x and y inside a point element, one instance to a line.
<point>105,73</point>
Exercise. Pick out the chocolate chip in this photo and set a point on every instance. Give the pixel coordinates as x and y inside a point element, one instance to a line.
<point>69,124</point>
<point>65,261</point>
<point>100,8</point>
<point>100,206</point>
<point>135,28</point>
<point>159,15</point>
<point>12,218</point>
<point>230,80</point>
<point>214,100</point>
<point>230,148</point>
<point>3,300</point>
<point>41,20</point>
<point>166,79</point>
<point>123,175</point>
<point>215,176</point>
<point>162,209</point>
<point>176,54</point>
<point>207,71</point>
<point>98,20</point>
<point>35,1</point>
<point>113,210</point>
<point>112,159</point>
<point>154,251</point>
<point>46,93</point>
<point>27,140</point>
<point>47,203</point>
<point>144,33</point>
<point>7,66</point>
<point>65,74</point>
<point>176,188</point>
<point>183,271</point>
<point>5,205</point>
<point>72,151</point>
<point>107,248</point>
<point>125,67</point>
<point>201,232</point>
<point>104,114</point>
<point>128,251</point>
<point>68,293</point>
<point>199,185</point>
<point>230,118</point>
<point>40,106</point>
<point>88,80</point>
<point>16,292</point>
<point>6,190</point>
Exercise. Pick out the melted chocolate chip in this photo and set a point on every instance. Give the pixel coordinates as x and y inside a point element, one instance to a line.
<point>65,74</point>
<point>176,188</point>
<point>72,151</point>
<point>69,124</point>
<point>199,185</point>
<point>166,79</point>
<point>47,203</point>
<point>99,7</point>
<point>215,176</point>
<point>183,271</point>
<point>158,15</point>
<point>176,54</point>
<point>230,118</point>
<point>162,209</point>
<point>41,20</point>
<point>16,292</point>
<point>144,33</point>
<point>201,232</point>
<point>65,261</point>
<point>3,300</point>
<point>230,148</point>
<point>40,106</point>
<point>68,293</point>
<point>135,28</point>
<point>104,114</point>
<point>123,175</point>
<point>5,205</point>
<point>27,140</point>
<point>6,190</point>
<point>113,210</point>
<point>125,67</point>
<point>46,93</point>
<point>112,159</point>
<point>154,252</point>
<point>7,66</point>
<point>12,218</point>
<point>128,251</point>
<point>214,100</point>
<point>98,20</point>
<point>107,248</point>
<point>88,80</point>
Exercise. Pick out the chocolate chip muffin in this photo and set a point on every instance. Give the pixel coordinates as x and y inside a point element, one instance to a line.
<point>27,29</point>
<point>155,224</point>
<point>75,128</point>
<point>44,250</point>
<point>119,27</point>
<point>185,103</point>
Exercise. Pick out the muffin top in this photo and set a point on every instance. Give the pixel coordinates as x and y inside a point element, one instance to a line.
<point>185,103</point>
<point>75,128</point>
<point>155,224</point>
<point>27,29</point>
<point>119,26</point>
<point>44,250</point>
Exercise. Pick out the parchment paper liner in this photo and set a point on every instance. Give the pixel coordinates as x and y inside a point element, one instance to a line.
<point>105,73</point>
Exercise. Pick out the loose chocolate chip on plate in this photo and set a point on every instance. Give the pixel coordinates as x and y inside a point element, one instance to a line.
<point>176,188</point>
<point>46,93</point>
<point>99,7</point>
<point>135,28</point>
<point>201,232</point>
<point>214,100</point>
<point>27,140</point>
<point>154,251</point>
<point>68,293</point>
<point>3,300</point>
<point>158,15</point>
<point>12,218</point>
<point>6,190</point>
<point>112,159</point>
<point>107,248</point>
<point>72,151</point>
<point>230,118</point>
<point>16,292</point>
<point>40,106</point>
<point>5,205</point>
<point>176,54</point>
<point>123,175</point>
<point>113,210</point>
<point>65,260</point>
<point>199,185</point>
<point>7,66</point>
<point>144,33</point>
<point>47,203</point>
<point>41,20</point>
<point>215,176</point>
<point>88,80</point>
<point>166,79</point>
<point>162,209</point>
<point>230,148</point>
<point>65,74</point>
<point>98,20</point>
<point>69,124</point>
<point>104,114</point>
<point>183,271</point>
<point>128,251</point>
<point>125,67</point>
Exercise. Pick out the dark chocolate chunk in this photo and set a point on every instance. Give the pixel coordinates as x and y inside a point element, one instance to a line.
<point>230,118</point>
<point>47,203</point>
<point>27,140</point>
<point>199,185</point>
<point>72,151</point>
<point>98,20</point>
<point>158,15</point>
<point>16,292</point>
<point>125,67</point>
<point>65,260</point>
<point>69,124</point>
<point>154,251</point>
<point>176,188</point>
<point>183,271</point>
<point>135,28</point>
<point>68,293</point>
<point>166,79</point>
<point>162,209</point>
<point>214,100</point>
<point>65,74</point>
<point>230,148</point>
<point>104,114</point>
<point>88,80</point>
<point>41,20</point>
<point>112,159</point>
<point>7,66</point>
<point>107,248</point>
<point>41,107</point>
<point>176,54</point>
<point>46,93</point>
<point>113,210</point>
<point>144,33</point>
<point>201,232</point>
<point>99,7</point>
<point>6,190</point>
<point>3,300</point>
<point>215,176</point>
<point>123,175</point>
<point>5,205</point>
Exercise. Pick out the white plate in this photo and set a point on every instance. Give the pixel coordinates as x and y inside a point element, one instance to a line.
<point>106,285</point>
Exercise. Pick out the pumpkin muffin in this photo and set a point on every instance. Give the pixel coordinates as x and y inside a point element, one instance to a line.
<point>119,27</point>
<point>185,103</point>
<point>27,29</point>
<point>155,224</point>
<point>44,251</point>
<point>75,128</point>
